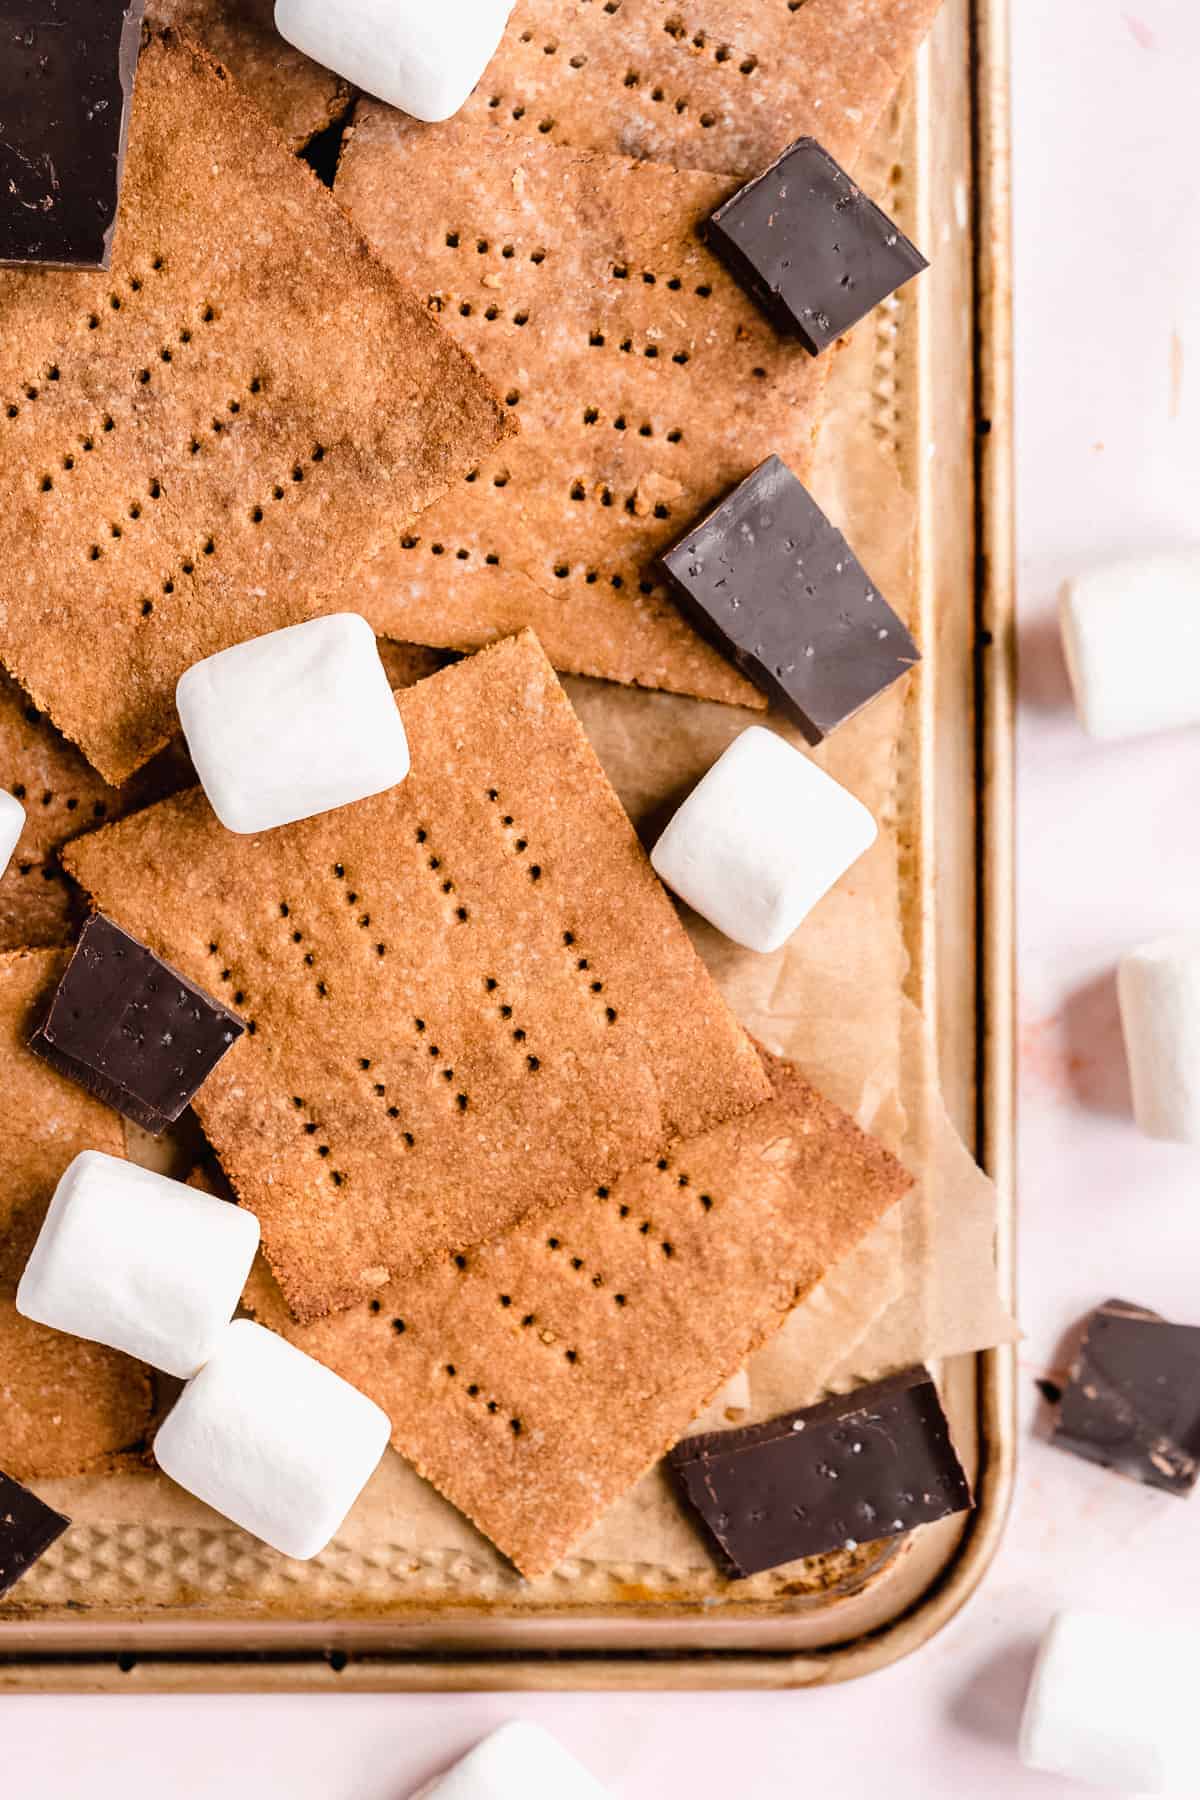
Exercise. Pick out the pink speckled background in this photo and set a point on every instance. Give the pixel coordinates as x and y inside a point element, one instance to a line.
<point>1108,298</point>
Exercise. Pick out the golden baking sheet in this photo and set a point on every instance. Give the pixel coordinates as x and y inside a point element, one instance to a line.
<point>428,1604</point>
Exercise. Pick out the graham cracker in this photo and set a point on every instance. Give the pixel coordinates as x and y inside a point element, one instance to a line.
<point>535,1378</point>
<point>63,796</point>
<point>67,1407</point>
<point>467,997</point>
<point>699,84</point>
<point>646,382</point>
<point>297,95</point>
<point>203,442</point>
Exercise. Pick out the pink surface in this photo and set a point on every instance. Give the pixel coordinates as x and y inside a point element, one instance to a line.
<point>1108,267</point>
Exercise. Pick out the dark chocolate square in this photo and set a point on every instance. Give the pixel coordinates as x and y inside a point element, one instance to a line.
<point>810,247</point>
<point>66,81</point>
<point>131,1029</point>
<point>851,1470</point>
<point>775,585</point>
<point>28,1527</point>
<point>1133,1399</point>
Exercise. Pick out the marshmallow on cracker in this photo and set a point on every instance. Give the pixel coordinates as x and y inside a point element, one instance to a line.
<point>1131,634</point>
<point>12,824</point>
<point>272,1439</point>
<point>1158,986</point>
<point>142,1264</point>
<point>518,1759</point>
<point>293,723</point>
<point>1110,1704</point>
<point>424,59</point>
<point>761,839</point>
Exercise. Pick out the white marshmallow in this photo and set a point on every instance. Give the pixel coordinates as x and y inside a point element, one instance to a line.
<point>761,839</point>
<point>518,1762</point>
<point>293,723</point>
<point>1131,634</point>
<point>1110,1703</point>
<point>423,58</point>
<point>12,824</point>
<point>129,1259</point>
<point>1158,987</point>
<point>272,1439</point>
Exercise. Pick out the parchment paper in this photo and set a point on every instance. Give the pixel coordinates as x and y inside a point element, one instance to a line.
<point>922,1287</point>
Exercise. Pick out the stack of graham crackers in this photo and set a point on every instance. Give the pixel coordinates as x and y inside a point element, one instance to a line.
<point>521,1175</point>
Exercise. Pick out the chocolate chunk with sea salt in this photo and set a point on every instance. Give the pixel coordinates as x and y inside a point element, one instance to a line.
<point>66,81</point>
<point>850,1470</point>
<point>810,247</point>
<point>131,1029</point>
<point>28,1527</point>
<point>775,585</point>
<point>1133,1400</point>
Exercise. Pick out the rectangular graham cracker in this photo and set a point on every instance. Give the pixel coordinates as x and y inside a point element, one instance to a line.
<point>297,95</point>
<point>700,84</point>
<point>199,445</point>
<point>63,796</point>
<point>466,997</point>
<point>646,382</point>
<point>67,1407</point>
<point>535,1378</point>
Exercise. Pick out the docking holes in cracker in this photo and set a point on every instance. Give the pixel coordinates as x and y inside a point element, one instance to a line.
<point>534,1377</point>
<point>465,998</point>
